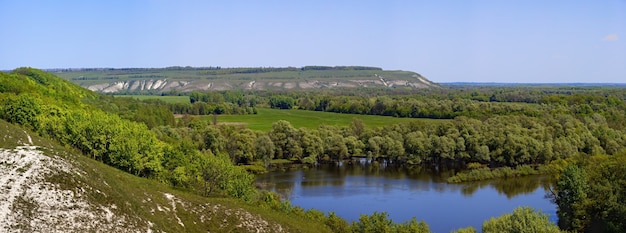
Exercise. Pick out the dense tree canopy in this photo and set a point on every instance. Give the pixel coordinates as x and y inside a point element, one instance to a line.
<point>591,194</point>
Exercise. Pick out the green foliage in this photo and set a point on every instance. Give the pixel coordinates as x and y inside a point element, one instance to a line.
<point>22,109</point>
<point>376,222</point>
<point>523,219</point>
<point>573,187</point>
<point>235,181</point>
<point>312,145</point>
<point>287,140</point>
<point>210,138</point>
<point>501,146</point>
<point>44,85</point>
<point>380,222</point>
<point>136,198</point>
<point>128,145</point>
<point>495,139</point>
<point>240,145</point>
<point>486,173</point>
<point>412,226</point>
<point>339,225</point>
<point>282,102</point>
<point>265,149</point>
<point>591,194</point>
<point>465,230</point>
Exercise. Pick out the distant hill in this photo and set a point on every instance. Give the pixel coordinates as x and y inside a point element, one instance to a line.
<point>187,79</point>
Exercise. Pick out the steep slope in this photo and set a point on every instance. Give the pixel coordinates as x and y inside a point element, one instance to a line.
<point>52,183</point>
<point>33,201</point>
<point>47,188</point>
<point>197,79</point>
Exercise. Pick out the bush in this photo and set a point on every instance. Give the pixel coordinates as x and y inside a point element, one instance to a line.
<point>522,220</point>
<point>504,172</point>
<point>465,230</point>
<point>22,109</point>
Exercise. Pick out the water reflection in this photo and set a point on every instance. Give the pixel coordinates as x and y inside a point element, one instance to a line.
<point>405,192</point>
<point>387,177</point>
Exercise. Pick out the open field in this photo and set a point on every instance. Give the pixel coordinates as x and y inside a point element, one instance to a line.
<point>308,119</point>
<point>167,99</point>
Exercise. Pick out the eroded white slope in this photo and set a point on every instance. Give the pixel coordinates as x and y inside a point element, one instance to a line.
<point>30,203</point>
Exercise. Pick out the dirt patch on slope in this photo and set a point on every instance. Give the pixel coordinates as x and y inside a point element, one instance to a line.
<point>28,202</point>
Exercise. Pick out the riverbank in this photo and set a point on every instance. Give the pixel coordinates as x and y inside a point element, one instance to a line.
<point>404,192</point>
<point>486,173</point>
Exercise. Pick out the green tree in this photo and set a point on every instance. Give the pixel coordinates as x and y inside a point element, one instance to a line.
<point>336,223</point>
<point>240,145</point>
<point>522,220</point>
<point>357,127</point>
<point>572,189</point>
<point>465,230</point>
<point>22,109</point>
<point>354,145</point>
<point>412,226</point>
<point>337,149</point>
<point>286,140</point>
<point>380,222</point>
<point>265,149</point>
<point>282,102</point>
<point>376,222</point>
<point>218,173</point>
<point>312,145</point>
<point>375,147</point>
<point>211,139</point>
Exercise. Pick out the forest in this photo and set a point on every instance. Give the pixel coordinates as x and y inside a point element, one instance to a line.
<point>576,134</point>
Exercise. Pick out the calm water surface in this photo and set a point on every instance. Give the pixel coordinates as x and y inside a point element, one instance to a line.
<point>351,190</point>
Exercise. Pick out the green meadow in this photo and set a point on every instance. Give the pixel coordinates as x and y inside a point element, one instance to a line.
<point>309,119</point>
<point>265,117</point>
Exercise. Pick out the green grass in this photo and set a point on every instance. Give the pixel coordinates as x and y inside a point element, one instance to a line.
<point>125,188</point>
<point>309,119</point>
<point>142,200</point>
<point>167,99</point>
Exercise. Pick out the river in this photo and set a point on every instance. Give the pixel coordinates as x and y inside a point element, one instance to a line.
<point>353,189</point>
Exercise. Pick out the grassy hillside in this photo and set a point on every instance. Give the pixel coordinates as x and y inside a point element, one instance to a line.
<point>265,117</point>
<point>105,198</point>
<point>60,183</point>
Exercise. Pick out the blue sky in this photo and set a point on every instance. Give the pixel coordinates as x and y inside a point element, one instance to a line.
<point>446,41</point>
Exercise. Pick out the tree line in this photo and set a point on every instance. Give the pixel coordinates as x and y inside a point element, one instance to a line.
<point>579,136</point>
<point>492,134</point>
<point>495,142</point>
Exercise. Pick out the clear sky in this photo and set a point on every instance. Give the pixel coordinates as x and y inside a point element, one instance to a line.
<point>446,41</point>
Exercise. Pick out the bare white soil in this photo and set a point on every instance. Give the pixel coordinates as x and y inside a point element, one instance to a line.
<point>28,203</point>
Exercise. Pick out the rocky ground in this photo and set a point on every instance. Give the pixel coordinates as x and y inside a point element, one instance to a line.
<point>34,197</point>
<point>30,202</point>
